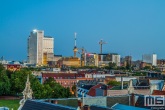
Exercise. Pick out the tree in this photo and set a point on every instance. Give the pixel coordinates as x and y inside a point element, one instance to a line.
<point>37,87</point>
<point>139,74</point>
<point>112,65</point>
<point>18,80</point>
<point>114,83</point>
<point>50,89</point>
<point>57,90</point>
<point>128,66</point>
<point>47,91</point>
<point>4,82</point>
<point>147,67</point>
<point>2,67</point>
<point>154,68</point>
<point>121,68</point>
<point>67,92</point>
<point>51,82</point>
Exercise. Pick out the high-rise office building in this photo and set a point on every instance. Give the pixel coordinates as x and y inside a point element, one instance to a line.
<point>105,59</point>
<point>40,48</point>
<point>150,58</point>
<point>91,59</point>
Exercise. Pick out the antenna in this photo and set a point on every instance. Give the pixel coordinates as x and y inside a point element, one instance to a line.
<point>75,49</point>
<point>75,39</point>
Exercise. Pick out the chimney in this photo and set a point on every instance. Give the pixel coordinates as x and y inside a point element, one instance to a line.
<point>121,82</point>
<point>152,88</point>
<point>105,90</point>
<point>86,107</point>
<point>80,104</point>
<point>55,102</point>
<point>132,99</point>
<point>130,88</point>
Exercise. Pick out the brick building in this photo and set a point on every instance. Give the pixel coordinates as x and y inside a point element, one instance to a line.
<point>65,79</point>
<point>13,67</point>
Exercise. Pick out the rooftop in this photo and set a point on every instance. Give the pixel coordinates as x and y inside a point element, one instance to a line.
<point>126,107</point>
<point>48,37</point>
<point>40,105</point>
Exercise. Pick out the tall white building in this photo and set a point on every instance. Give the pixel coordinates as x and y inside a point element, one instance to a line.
<point>150,58</point>
<point>38,45</point>
<point>116,59</point>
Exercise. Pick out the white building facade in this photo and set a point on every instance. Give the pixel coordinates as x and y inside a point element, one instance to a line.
<point>116,59</point>
<point>48,44</point>
<point>150,58</point>
<point>38,45</point>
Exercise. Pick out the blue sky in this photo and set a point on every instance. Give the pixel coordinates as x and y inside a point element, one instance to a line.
<point>131,27</point>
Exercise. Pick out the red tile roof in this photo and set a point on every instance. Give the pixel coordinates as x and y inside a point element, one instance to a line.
<point>92,91</point>
<point>87,72</point>
<point>157,92</point>
<point>163,89</point>
<point>63,75</point>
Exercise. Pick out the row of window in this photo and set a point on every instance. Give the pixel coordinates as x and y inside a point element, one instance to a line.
<point>63,77</point>
<point>67,83</point>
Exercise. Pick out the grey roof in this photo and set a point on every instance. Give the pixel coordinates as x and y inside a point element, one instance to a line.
<point>123,99</point>
<point>96,107</point>
<point>87,82</point>
<point>40,105</point>
<point>126,107</point>
<point>48,37</point>
<point>87,87</point>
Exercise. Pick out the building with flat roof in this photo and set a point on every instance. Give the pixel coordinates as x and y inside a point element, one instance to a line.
<point>91,59</point>
<point>150,58</point>
<point>105,59</point>
<point>40,48</point>
<point>69,61</point>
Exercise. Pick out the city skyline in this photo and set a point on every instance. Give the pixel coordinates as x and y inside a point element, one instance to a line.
<point>129,27</point>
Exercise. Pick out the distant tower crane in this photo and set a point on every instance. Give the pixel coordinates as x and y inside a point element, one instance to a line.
<point>82,51</point>
<point>101,44</point>
<point>75,49</point>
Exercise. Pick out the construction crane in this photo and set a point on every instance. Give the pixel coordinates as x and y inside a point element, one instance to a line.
<point>82,51</point>
<point>101,44</point>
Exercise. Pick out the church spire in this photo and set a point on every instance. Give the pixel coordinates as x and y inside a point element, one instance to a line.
<point>27,93</point>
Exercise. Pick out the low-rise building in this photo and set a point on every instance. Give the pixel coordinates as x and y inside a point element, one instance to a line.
<point>65,79</point>
<point>69,61</point>
<point>13,67</point>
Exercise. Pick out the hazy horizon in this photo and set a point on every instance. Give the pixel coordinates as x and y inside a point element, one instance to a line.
<point>129,27</point>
